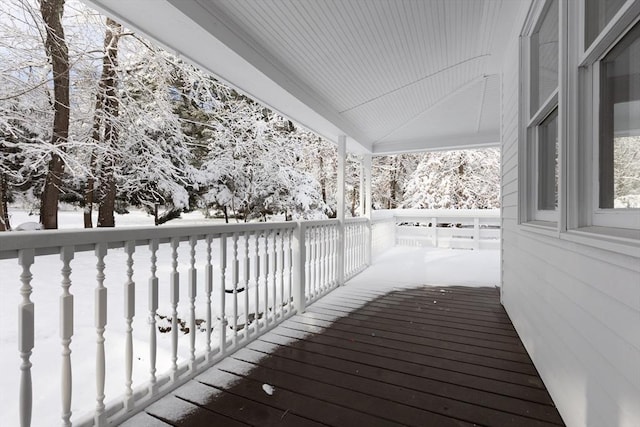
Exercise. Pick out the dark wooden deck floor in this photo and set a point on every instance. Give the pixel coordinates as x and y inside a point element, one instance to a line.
<point>432,356</point>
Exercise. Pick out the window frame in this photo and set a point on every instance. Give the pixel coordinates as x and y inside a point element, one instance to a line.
<point>531,121</point>
<point>589,213</point>
<point>549,108</point>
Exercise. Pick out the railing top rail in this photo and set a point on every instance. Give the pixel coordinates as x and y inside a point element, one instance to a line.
<point>437,213</point>
<point>46,241</point>
<point>317,222</point>
<point>357,219</point>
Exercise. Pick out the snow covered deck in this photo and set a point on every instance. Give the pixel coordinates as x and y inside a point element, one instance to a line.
<point>419,338</point>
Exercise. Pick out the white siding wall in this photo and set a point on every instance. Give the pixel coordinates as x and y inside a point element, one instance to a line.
<point>576,308</point>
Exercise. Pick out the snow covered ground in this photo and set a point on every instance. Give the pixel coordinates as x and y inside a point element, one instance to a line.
<point>399,267</point>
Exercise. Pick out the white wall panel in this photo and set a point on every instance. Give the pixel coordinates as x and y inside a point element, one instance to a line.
<point>576,307</point>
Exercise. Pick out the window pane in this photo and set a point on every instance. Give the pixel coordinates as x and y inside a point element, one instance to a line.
<point>548,163</point>
<point>620,124</point>
<point>598,13</point>
<point>544,50</point>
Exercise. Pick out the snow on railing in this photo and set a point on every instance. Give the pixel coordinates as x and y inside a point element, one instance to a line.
<point>443,228</point>
<point>204,291</point>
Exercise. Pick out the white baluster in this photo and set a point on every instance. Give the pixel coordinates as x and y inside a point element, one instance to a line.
<point>323,256</point>
<point>247,273</point>
<point>66,333</point>
<point>298,268</point>
<point>234,282</point>
<point>208,289</point>
<point>223,295</point>
<point>153,309</point>
<point>289,269</point>
<point>129,313</point>
<point>26,336</point>
<point>274,274</point>
<point>338,253</point>
<point>351,251</point>
<point>101,323</point>
<point>319,258</point>
<point>174,290</point>
<point>256,272</point>
<point>281,272</point>
<point>331,260</point>
<point>306,261</point>
<point>266,277</point>
<point>313,285</point>
<point>192,302</point>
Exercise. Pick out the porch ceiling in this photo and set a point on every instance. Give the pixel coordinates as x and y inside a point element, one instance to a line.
<point>393,76</point>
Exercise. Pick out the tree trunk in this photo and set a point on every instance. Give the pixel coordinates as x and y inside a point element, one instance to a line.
<point>354,196</point>
<point>89,193</point>
<point>111,107</point>
<point>4,197</point>
<point>59,56</point>
<point>226,215</point>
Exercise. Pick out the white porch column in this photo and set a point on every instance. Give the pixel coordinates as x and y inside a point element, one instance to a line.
<point>342,160</point>
<point>366,167</point>
<point>365,198</point>
<point>361,208</point>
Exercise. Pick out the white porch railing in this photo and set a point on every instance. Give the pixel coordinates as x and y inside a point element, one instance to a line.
<point>257,275</point>
<point>205,291</point>
<point>457,229</point>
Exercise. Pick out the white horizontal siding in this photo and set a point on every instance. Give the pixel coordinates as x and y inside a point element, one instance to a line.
<point>576,308</point>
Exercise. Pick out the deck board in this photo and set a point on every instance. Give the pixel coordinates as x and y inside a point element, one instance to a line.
<point>375,357</point>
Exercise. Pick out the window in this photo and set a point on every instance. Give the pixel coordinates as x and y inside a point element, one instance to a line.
<point>598,13</point>
<point>548,163</point>
<point>619,145</point>
<point>542,167</point>
<point>612,128</point>
<point>544,57</point>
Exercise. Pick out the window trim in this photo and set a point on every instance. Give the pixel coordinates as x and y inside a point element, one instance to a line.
<point>619,24</point>
<point>531,120</point>
<point>589,122</point>
<point>550,108</point>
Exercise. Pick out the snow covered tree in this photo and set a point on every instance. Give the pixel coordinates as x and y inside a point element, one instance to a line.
<point>468,179</point>
<point>389,174</point>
